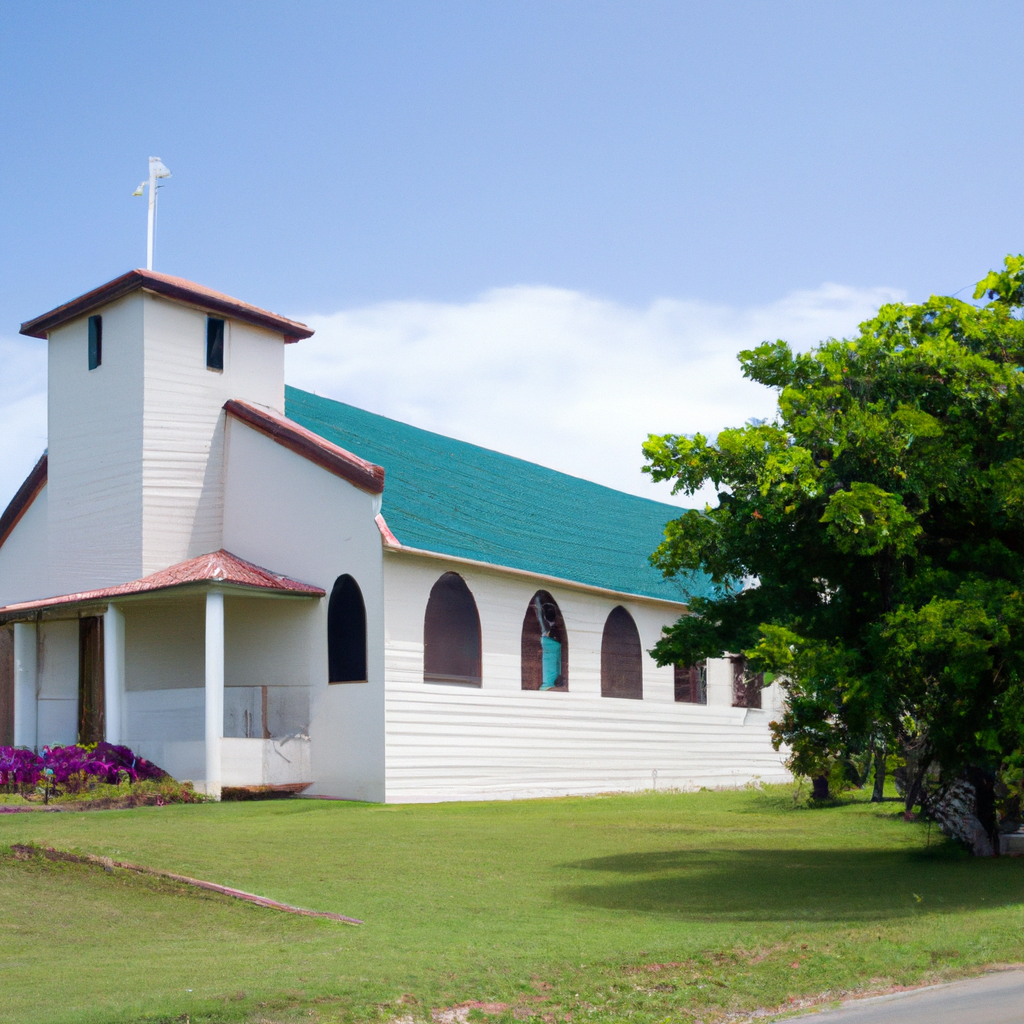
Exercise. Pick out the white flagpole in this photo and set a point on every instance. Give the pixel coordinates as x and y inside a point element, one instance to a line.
<point>153,161</point>
<point>156,170</point>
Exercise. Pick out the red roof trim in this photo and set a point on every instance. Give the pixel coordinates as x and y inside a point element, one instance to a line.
<point>26,494</point>
<point>216,567</point>
<point>310,446</point>
<point>389,539</point>
<point>173,288</point>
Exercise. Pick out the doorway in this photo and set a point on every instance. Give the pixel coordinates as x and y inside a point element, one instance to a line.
<point>90,680</point>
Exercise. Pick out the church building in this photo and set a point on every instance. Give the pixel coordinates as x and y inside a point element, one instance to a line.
<point>253,586</point>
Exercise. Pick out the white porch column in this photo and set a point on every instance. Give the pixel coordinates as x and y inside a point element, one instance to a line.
<point>214,689</point>
<point>25,707</point>
<point>113,674</point>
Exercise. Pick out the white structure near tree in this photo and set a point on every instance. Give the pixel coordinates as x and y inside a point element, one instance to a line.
<point>259,588</point>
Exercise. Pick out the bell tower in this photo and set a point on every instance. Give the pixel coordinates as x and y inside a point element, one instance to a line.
<point>139,371</point>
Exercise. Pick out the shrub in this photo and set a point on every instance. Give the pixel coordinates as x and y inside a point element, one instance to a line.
<point>73,769</point>
<point>20,770</point>
<point>144,793</point>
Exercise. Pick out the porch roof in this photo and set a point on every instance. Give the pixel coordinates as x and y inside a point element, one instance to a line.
<point>217,567</point>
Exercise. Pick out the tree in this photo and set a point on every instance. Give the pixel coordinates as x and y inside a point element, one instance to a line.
<point>878,520</point>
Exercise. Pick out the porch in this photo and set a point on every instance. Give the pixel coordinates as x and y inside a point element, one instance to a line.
<point>203,669</point>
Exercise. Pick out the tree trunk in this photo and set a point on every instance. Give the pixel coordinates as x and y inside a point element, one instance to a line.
<point>957,813</point>
<point>877,793</point>
<point>819,788</point>
<point>914,790</point>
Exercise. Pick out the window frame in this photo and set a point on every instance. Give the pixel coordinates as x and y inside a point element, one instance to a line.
<point>211,344</point>
<point>531,658</point>
<point>747,687</point>
<point>686,677</point>
<point>635,687</point>
<point>345,588</point>
<point>437,632</point>
<point>95,342</point>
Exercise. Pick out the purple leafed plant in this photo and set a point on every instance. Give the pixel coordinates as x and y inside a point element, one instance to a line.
<point>19,768</point>
<point>73,768</point>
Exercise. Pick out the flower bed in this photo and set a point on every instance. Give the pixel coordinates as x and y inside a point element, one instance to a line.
<point>103,774</point>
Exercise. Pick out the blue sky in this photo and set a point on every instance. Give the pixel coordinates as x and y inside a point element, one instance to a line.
<point>383,161</point>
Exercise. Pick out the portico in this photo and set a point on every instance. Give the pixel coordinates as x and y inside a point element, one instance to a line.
<point>144,664</point>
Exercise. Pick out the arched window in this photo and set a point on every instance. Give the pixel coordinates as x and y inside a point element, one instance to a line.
<point>746,685</point>
<point>544,647</point>
<point>451,634</point>
<point>346,632</point>
<point>622,661</point>
<point>692,683</point>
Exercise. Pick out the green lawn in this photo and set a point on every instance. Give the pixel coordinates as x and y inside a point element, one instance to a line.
<point>553,907</point>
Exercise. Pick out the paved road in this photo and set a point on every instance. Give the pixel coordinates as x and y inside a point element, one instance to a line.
<point>990,999</point>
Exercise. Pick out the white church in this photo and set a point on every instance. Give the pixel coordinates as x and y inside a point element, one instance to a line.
<point>254,586</point>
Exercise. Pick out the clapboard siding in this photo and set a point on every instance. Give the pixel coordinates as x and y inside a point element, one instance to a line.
<point>183,425</point>
<point>450,742</point>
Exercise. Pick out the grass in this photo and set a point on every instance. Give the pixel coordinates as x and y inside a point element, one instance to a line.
<point>648,907</point>
<point>105,796</point>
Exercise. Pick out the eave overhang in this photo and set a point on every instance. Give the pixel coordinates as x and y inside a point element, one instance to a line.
<point>176,288</point>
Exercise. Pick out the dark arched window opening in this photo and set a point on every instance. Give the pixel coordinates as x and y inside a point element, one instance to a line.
<point>346,632</point>
<point>622,663</point>
<point>451,634</point>
<point>746,685</point>
<point>544,647</point>
<point>692,683</point>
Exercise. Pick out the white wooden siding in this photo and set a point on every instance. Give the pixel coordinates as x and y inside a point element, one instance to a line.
<point>183,429</point>
<point>57,681</point>
<point>136,445</point>
<point>164,645</point>
<point>448,742</point>
<point>168,727</point>
<point>95,451</point>
<point>283,512</point>
<point>25,555</point>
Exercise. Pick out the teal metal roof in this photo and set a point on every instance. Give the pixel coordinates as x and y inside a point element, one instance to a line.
<point>455,498</point>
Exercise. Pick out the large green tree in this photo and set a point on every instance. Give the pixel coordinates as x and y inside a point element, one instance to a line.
<point>868,542</point>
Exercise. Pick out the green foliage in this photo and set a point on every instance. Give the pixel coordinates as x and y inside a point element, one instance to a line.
<point>881,514</point>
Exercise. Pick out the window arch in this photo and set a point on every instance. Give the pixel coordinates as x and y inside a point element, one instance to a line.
<point>346,632</point>
<point>622,663</point>
<point>544,647</point>
<point>451,634</point>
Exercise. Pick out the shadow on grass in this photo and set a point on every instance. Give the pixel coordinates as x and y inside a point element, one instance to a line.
<point>813,885</point>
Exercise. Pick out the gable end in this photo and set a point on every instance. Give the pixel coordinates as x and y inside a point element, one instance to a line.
<point>26,494</point>
<point>304,442</point>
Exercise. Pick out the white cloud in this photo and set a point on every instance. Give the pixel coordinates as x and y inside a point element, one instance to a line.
<point>559,377</point>
<point>551,375</point>
<point>22,411</point>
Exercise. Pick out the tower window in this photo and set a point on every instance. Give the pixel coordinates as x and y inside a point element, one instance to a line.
<point>95,341</point>
<point>214,343</point>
